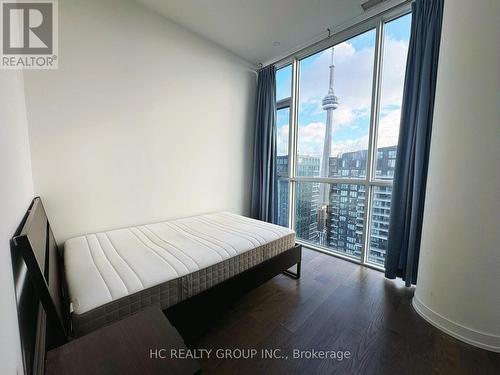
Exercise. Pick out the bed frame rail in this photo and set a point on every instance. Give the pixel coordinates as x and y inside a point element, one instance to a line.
<point>194,316</point>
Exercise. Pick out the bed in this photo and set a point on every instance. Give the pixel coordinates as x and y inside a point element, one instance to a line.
<point>113,274</point>
<point>193,268</point>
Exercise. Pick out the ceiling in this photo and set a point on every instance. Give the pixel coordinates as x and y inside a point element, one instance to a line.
<point>259,31</point>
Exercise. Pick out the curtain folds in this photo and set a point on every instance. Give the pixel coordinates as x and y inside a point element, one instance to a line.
<point>263,205</point>
<point>410,176</point>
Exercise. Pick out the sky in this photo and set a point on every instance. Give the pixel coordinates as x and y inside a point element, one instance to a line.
<point>353,78</point>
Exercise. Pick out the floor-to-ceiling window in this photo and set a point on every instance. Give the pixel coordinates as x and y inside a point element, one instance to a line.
<point>338,111</point>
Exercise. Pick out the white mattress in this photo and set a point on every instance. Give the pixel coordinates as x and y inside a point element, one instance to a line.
<point>108,267</point>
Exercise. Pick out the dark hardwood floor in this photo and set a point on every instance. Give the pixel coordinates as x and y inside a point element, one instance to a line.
<point>337,306</point>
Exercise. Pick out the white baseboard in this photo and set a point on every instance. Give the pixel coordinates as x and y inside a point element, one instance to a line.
<point>470,336</point>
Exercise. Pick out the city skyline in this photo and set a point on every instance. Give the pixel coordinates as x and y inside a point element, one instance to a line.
<point>353,85</point>
<point>334,118</point>
<point>345,211</point>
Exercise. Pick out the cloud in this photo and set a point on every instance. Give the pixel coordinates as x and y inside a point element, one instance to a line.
<point>393,71</point>
<point>353,86</point>
<point>353,80</point>
<point>350,145</point>
<point>282,143</point>
<point>312,135</point>
<point>343,115</point>
<point>388,128</point>
<point>311,138</point>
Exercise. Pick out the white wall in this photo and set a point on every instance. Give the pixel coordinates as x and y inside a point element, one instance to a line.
<point>459,271</point>
<point>143,121</point>
<point>16,193</point>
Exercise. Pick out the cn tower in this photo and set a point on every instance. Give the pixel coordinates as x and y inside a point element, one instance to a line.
<point>330,103</point>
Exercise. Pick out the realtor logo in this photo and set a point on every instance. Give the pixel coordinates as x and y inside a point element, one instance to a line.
<point>29,34</point>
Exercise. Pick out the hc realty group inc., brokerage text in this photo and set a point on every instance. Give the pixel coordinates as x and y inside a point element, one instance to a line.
<point>248,353</point>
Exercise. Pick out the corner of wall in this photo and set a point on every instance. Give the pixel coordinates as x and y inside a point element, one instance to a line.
<point>16,191</point>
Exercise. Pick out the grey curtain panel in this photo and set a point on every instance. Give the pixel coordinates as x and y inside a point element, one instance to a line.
<point>264,152</point>
<point>410,175</point>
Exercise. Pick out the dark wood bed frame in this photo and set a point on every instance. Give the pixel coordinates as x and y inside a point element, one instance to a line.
<point>43,304</point>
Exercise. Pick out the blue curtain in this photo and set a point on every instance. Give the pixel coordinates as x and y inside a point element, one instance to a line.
<point>410,175</point>
<point>264,152</point>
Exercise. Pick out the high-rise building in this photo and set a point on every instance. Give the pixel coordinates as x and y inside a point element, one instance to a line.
<point>347,204</point>
<point>307,196</point>
<point>345,210</point>
<point>282,191</point>
<point>380,224</point>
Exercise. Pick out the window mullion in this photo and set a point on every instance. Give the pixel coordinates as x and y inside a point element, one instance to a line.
<point>292,143</point>
<point>372,143</point>
<point>374,117</point>
<point>283,103</point>
<point>331,180</point>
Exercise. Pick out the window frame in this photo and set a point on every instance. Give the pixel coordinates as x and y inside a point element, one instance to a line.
<point>371,180</point>
<point>283,104</point>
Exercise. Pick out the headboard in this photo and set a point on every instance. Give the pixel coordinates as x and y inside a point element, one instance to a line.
<point>39,284</point>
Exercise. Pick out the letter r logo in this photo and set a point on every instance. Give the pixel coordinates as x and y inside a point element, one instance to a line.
<point>27,28</point>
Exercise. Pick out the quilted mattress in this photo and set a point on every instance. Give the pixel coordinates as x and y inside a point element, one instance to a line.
<point>113,274</point>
